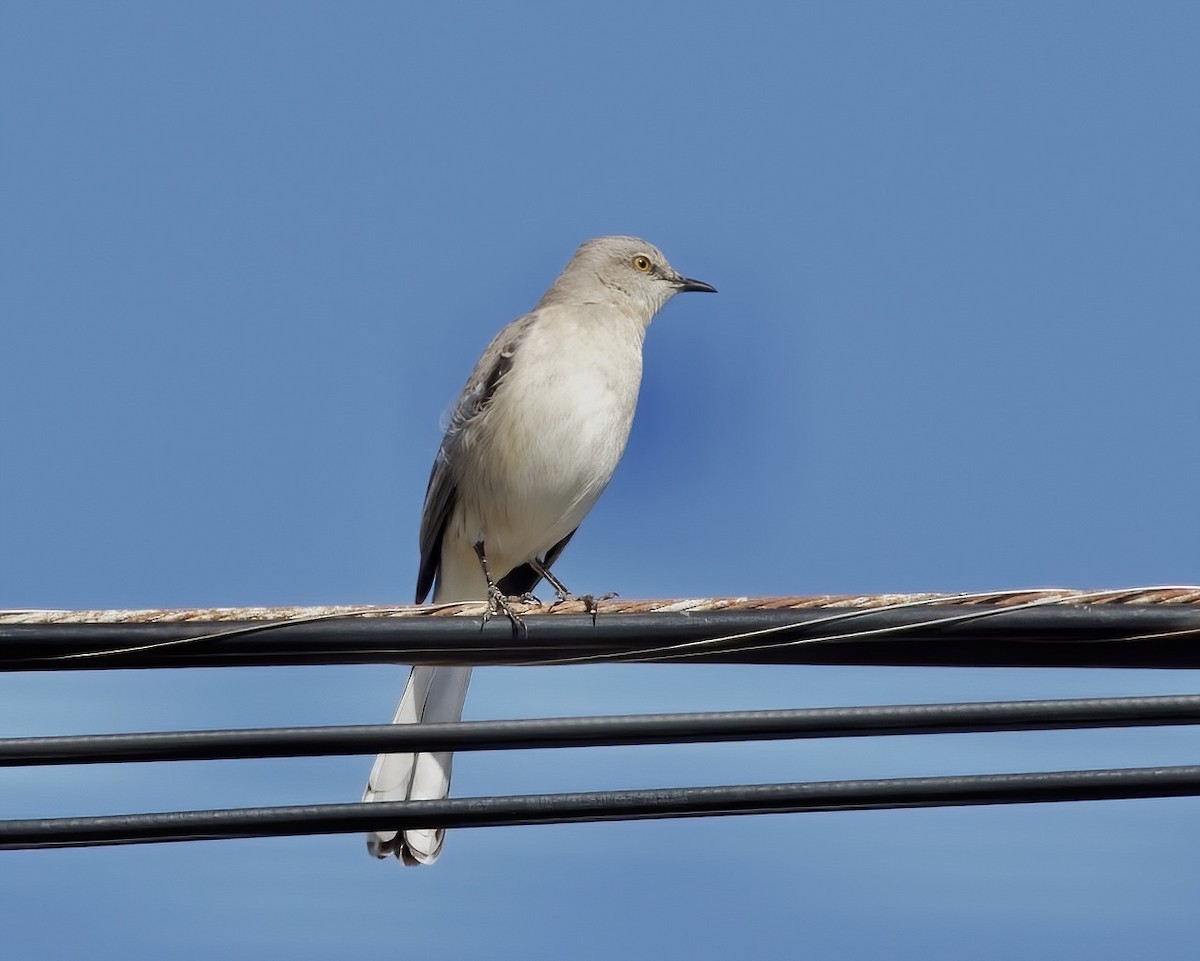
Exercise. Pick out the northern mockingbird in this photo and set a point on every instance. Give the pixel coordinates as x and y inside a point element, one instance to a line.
<point>532,443</point>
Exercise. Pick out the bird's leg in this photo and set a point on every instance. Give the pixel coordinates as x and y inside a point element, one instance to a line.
<point>591,603</point>
<point>560,589</point>
<point>497,602</point>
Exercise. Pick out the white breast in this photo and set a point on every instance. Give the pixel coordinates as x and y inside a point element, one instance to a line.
<point>554,433</point>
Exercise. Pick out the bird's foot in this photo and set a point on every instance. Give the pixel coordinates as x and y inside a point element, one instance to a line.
<point>591,603</point>
<point>498,603</point>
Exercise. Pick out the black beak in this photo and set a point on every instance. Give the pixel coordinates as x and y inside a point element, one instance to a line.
<point>686,283</point>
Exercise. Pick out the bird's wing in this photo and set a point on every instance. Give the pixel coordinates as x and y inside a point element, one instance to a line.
<point>442,492</point>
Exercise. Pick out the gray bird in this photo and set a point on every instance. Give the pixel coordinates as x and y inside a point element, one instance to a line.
<point>532,443</point>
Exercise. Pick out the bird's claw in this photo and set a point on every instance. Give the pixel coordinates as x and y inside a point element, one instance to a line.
<point>591,603</point>
<point>498,603</point>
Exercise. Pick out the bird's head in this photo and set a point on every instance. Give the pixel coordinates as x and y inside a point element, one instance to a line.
<point>624,272</point>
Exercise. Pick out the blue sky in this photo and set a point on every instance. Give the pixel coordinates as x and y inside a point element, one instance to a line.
<point>248,254</point>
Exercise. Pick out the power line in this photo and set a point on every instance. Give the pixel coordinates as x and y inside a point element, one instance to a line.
<point>603,806</point>
<point>1149,627</point>
<point>1146,627</point>
<point>971,717</point>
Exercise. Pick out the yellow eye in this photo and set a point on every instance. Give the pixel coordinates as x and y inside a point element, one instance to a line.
<point>642,263</point>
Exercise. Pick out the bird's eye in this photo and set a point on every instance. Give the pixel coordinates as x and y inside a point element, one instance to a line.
<point>642,263</point>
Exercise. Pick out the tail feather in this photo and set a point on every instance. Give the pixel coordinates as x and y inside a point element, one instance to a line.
<point>432,694</point>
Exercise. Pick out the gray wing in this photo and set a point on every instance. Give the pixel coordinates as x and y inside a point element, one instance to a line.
<point>442,492</point>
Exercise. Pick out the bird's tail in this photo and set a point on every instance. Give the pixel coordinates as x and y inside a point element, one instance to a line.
<point>432,694</point>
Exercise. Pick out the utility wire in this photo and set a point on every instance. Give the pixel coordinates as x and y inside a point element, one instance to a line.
<point>1140,627</point>
<point>603,806</point>
<point>976,717</point>
<point>1143,627</point>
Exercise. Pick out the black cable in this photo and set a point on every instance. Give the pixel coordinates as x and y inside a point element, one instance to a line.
<point>1110,635</point>
<point>967,635</point>
<point>605,731</point>
<point>604,806</point>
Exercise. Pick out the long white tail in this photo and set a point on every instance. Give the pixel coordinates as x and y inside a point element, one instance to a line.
<point>432,694</point>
